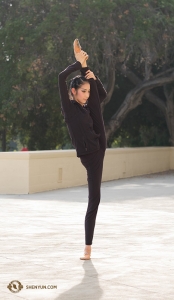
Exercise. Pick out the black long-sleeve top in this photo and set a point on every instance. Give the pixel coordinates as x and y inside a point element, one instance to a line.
<point>82,121</point>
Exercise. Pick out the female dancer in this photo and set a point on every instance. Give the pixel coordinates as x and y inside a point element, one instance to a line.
<point>82,113</point>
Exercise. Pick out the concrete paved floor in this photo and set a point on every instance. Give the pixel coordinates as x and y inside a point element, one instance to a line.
<point>42,238</point>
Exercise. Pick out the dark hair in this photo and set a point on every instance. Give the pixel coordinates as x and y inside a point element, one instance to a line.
<point>76,83</point>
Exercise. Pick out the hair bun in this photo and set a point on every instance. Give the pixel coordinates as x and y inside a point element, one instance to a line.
<point>76,83</point>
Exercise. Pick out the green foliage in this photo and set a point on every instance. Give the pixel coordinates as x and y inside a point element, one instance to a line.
<point>36,38</point>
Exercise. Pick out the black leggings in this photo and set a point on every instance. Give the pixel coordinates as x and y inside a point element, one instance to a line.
<point>94,165</point>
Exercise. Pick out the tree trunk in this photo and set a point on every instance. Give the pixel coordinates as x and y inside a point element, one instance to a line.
<point>169,116</point>
<point>149,95</point>
<point>133,99</point>
<point>110,85</point>
<point>167,109</point>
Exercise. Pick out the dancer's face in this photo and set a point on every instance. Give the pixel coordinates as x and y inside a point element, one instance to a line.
<point>81,95</point>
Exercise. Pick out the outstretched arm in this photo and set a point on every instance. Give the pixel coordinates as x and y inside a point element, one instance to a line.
<point>66,105</point>
<point>101,90</point>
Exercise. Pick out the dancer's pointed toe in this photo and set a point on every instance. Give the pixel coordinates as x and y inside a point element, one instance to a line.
<point>76,46</point>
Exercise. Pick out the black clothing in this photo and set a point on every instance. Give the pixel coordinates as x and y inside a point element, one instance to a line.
<point>85,135</point>
<point>86,128</point>
<point>93,163</point>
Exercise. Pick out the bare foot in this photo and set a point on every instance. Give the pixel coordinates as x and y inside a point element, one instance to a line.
<point>87,253</point>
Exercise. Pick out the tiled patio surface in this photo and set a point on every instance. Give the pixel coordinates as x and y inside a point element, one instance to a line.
<point>42,238</point>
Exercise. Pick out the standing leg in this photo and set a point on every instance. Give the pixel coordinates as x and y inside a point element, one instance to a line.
<point>94,165</point>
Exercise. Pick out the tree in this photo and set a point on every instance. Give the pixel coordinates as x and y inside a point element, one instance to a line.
<point>136,39</point>
<point>28,93</point>
<point>130,39</point>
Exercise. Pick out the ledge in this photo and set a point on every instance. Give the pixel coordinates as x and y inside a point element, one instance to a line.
<point>38,171</point>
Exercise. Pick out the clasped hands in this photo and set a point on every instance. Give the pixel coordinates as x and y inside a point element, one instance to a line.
<point>82,57</point>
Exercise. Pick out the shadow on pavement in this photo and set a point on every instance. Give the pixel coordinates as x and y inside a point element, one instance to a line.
<point>88,288</point>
